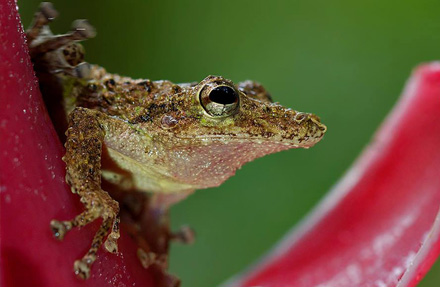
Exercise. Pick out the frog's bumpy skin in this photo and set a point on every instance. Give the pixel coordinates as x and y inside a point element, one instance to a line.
<point>163,135</point>
<point>83,149</point>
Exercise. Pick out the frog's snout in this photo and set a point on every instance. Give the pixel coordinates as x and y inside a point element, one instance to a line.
<point>311,129</point>
<point>316,121</point>
<point>311,121</point>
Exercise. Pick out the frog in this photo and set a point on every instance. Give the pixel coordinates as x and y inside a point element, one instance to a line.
<point>158,138</point>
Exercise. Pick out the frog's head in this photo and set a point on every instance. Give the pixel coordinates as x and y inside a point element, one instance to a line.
<point>227,125</point>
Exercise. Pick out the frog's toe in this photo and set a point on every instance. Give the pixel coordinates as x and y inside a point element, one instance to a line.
<point>185,235</point>
<point>60,228</point>
<point>82,267</point>
<point>111,243</point>
<point>170,280</point>
<point>146,258</point>
<point>82,70</point>
<point>84,29</point>
<point>48,11</point>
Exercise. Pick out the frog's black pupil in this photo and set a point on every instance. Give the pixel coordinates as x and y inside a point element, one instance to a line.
<point>223,95</point>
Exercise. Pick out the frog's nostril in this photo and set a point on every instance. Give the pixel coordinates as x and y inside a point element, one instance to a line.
<point>315,119</point>
<point>322,127</point>
<point>317,122</point>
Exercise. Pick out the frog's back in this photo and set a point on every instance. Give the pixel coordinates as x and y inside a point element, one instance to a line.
<point>123,97</point>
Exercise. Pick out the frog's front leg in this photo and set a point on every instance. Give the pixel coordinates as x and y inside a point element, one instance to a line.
<point>83,173</point>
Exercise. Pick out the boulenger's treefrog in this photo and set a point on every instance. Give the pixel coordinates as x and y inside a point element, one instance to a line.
<point>154,137</point>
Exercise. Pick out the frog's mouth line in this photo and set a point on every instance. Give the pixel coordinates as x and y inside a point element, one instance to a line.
<point>306,142</point>
<point>315,132</point>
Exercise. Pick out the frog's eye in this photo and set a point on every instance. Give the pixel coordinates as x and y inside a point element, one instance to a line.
<point>219,100</point>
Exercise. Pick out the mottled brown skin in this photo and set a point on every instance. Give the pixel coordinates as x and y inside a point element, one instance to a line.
<point>152,136</point>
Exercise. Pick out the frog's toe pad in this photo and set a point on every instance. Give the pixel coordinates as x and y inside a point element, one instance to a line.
<point>84,28</point>
<point>49,12</point>
<point>171,280</point>
<point>146,258</point>
<point>59,228</point>
<point>185,235</point>
<point>111,244</point>
<point>82,267</point>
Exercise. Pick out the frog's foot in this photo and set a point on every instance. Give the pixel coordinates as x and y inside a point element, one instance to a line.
<point>146,256</point>
<point>185,235</point>
<point>147,259</point>
<point>160,263</point>
<point>42,17</point>
<point>58,53</point>
<point>108,210</point>
<point>83,159</point>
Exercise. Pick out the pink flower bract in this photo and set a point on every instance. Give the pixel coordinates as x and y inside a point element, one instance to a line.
<point>33,190</point>
<point>380,225</point>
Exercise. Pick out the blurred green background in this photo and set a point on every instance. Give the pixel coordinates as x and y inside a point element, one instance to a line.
<point>347,61</point>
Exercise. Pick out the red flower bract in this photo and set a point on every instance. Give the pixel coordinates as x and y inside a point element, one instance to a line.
<point>379,227</point>
<point>33,189</point>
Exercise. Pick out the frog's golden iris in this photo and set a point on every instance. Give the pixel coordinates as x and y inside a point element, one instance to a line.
<point>219,99</point>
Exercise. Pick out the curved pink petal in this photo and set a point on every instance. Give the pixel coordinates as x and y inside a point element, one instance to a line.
<point>380,225</point>
<point>32,186</point>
